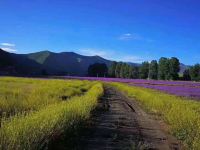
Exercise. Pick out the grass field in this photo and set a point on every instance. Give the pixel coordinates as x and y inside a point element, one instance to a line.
<point>181,114</point>
<point>20,95</point>
<point>39,112</point>
<point>35,111</point>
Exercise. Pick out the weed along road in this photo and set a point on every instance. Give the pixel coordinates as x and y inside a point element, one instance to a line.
<point>119,123</point>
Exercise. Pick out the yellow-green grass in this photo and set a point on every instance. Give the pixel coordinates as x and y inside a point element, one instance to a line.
<point>19,95</point>
<point>181,114</point>
<point>36,128</point>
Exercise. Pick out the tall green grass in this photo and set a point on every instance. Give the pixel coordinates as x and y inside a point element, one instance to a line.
<point>182,115</point>
<point>19,95</point>
<point>35,129</point>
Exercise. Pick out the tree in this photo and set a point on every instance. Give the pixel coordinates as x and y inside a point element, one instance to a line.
<point>195,72</point>
<point>122,70</point>
<point>144,70</point>
<point>163,69</point>
<point>186,75</point>
<point>174,68</point>
<point>135,72</point>
<point>153,70</point>
<point>125,70</point>
<point>118,69</point>
<point>130,72</point>
<point>112,68</point>
<point>97,70</point>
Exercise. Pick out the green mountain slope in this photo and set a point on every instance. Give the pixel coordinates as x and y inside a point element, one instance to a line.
<point>65,63</point>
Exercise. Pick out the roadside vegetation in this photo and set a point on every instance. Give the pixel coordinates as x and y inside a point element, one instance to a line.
<point>35,129</point>
<point>181,114</point>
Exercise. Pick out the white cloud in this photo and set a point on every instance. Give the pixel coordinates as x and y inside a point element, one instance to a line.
<point>8,44</point>
<point>8,49</point>
<point>129,36</point>
<point>134,36</point>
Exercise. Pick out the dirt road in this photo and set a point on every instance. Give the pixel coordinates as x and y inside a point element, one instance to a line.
<point>119,123</point>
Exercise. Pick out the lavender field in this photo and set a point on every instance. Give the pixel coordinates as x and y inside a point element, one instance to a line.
<point>179,88</point>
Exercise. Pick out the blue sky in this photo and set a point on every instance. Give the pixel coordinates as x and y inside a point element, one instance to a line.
<point>128,30</point>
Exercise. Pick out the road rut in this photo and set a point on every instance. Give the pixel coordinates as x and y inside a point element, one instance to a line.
<point>118,123</point>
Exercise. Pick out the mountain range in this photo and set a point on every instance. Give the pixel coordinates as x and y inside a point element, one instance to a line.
<point>46,62</point>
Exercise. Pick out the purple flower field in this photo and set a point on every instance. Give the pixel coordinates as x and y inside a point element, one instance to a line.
<point>179,88</point>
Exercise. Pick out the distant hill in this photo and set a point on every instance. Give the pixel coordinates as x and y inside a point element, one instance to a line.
<point>183,67</point>
<point>46,62</point>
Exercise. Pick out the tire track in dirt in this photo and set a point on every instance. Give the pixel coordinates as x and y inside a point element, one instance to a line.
<point>119,123</point>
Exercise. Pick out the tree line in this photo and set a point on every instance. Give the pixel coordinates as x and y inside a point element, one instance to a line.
<point>192,73</point>
<point>164,69</point>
